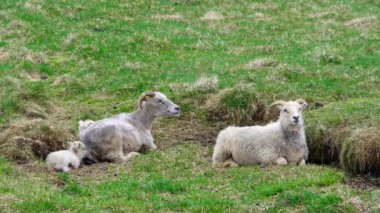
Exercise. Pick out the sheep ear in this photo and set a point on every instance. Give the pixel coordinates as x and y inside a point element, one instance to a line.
<point>302,102</point>
<point>144,97</point>
<point>278,104</point>
<point>155,88</point>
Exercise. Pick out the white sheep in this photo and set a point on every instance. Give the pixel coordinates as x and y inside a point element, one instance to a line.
<point>63,159</point>
<point>280,142</point>
<point>118,138</point>
<point>84,124</point>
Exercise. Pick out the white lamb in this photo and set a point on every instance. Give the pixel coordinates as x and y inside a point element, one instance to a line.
<point>280,143</point>
<point>63,159</point>
<point>84,124</point>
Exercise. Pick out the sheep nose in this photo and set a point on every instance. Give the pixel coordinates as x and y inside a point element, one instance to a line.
<point>296,118</point>
<point>177,108</point>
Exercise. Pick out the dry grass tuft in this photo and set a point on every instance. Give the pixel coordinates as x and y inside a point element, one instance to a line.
<point>32,6</point>
<point>205,84</point>
<point>361,152</point>
<point>264,6</point>
<point>133,66</point>
<point>212,16</point>
<point>34,76</point>
<point>70,38</point>
<point>28,55</point>
<point>61,80</point>
<point>260,63</point>
<point>179,86</point>
<point>173,17</point>
<point>362,23</point>
<point>239,105</point>
<point>4,55</point>
<point>325,55</point>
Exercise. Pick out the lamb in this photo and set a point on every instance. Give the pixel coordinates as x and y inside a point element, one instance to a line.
<point>63,159</point>
<point>84,124</point>
<point>279,143</point>
<point>118,138</point>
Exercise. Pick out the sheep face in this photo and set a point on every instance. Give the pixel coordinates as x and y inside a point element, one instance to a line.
<point>85,124</point>
<point>78,148</point>
<point>291,113</point>
<point>159,105</point>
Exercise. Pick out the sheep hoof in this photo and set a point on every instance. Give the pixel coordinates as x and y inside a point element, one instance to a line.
<point>230,163</point>
<point>302,162</point>
<point>281,161</point>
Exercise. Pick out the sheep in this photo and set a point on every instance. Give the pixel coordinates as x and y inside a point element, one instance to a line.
<point>84,124</point>
<point>63,159</point>
<point>118,138</point>
<point>279,143</point>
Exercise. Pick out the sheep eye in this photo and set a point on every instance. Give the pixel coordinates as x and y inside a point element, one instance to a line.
<point>285,110</point>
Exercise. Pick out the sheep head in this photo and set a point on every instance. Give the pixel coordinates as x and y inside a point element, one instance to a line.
<point>158,104</point>
<point>78,148</point>
<point>291,112</point>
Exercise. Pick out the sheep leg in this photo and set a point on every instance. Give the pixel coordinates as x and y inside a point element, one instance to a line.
<point>65,169</point>
<point>219,156</point>
<point>281,161</point>
<point>302,162</point>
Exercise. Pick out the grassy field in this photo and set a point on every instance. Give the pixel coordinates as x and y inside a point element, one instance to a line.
<point>223,62</point>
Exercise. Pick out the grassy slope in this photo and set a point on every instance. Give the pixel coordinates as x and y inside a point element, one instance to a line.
<point>111,51</point>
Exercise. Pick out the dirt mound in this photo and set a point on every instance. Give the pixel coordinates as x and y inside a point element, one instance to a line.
<point>345,134</point>
<point>27,139</point>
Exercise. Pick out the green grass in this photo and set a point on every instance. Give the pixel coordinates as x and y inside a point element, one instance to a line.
<point>80,59</point>
<point>151,184</point>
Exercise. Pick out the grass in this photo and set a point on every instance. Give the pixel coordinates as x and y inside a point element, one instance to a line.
<point>61,61</point>
<point>159,182</point>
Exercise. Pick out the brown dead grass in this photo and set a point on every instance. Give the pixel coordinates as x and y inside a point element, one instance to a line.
<point>34,75</point>
<point>362,22</point>
<point>38,132</point>
<point>260,63</point>
<point>172,17</point>
<point>212,16</point>
<point>187,129</point>
<point>4,55</point>
<point>361,151</point>
<point>26,140</point>
<point>61,80</point>
<point>205,84</point>
<point>264,6</point>
<point>33,6</point>
<point>325,144</point>
<point>70,38</point>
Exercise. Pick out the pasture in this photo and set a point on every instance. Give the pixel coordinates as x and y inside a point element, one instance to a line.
<point>224,63</point>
